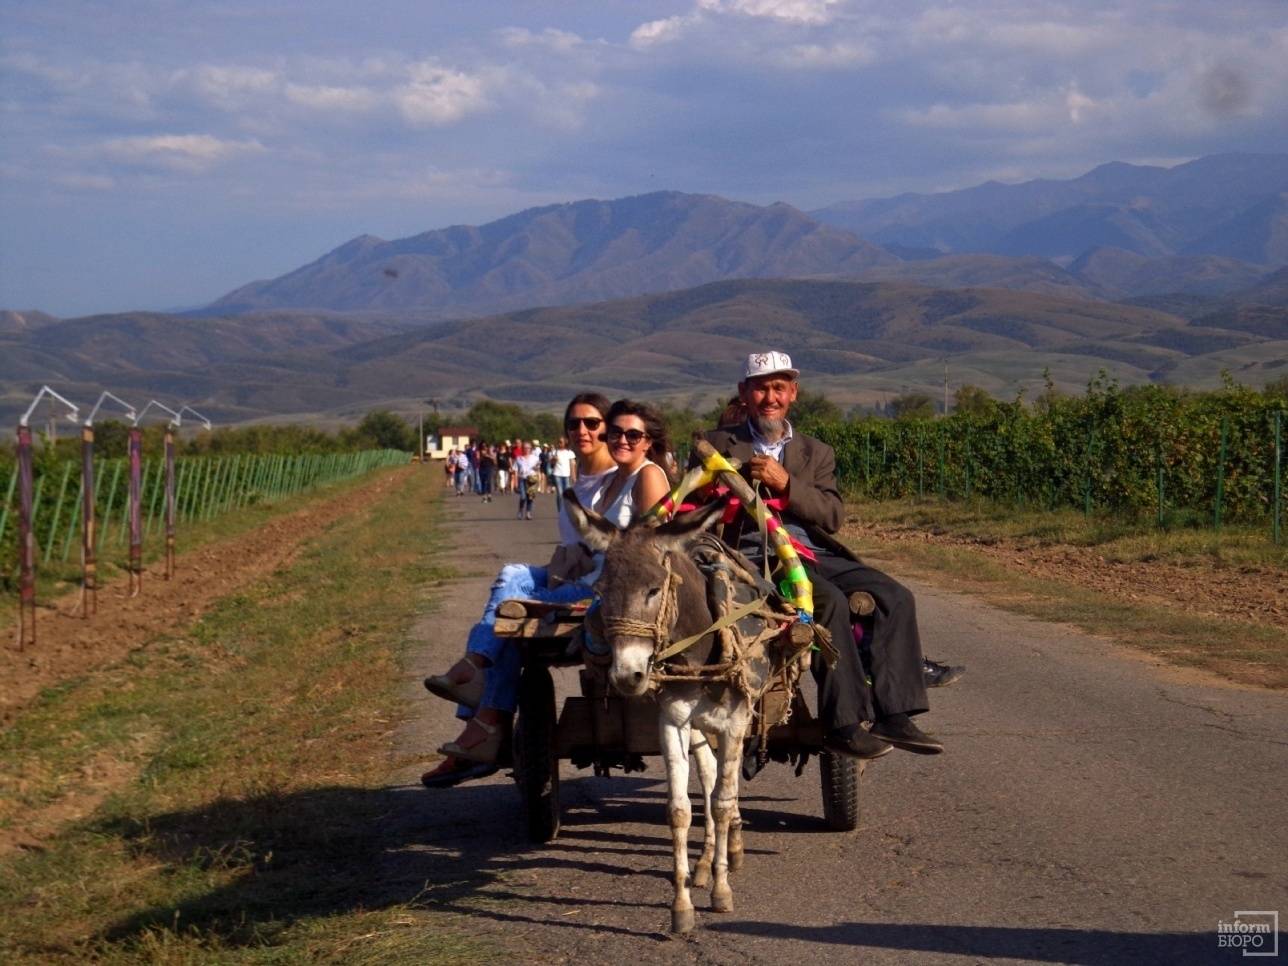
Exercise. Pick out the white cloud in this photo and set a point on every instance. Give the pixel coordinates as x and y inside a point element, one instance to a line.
<point>1077,104</point>
<point>550,37</point>
<point>1018,117</point>
<point>808,13</point>
<point>661,31</point>
<point>790,11</point>
<point>826,56</point>
<point>436,95</point>
<point>179,152</point>
<point>85,182</point>
<point>324,98</point>
<point>227,87</point>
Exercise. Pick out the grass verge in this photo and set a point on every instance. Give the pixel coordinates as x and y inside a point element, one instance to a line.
<point>218,796</point>
<point>1195,598</point>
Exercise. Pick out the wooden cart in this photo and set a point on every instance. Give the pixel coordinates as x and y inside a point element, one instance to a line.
<point>602,730</point>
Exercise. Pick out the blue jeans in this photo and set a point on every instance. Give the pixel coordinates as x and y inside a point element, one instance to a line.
<point>501,686</point>
<point>561,484</point>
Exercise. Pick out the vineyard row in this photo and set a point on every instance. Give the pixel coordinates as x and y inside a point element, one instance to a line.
<point>205,486</point>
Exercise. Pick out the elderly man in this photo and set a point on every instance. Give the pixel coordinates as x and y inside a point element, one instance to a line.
<point>800,473</point>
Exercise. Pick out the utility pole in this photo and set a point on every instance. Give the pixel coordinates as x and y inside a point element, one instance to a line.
<point>945,385</point>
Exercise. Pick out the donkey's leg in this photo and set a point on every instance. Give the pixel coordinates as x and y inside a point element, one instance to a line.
<point>735,839</point>
<point>706,762</point>
<point>675,752</point>
<point>725,806</point>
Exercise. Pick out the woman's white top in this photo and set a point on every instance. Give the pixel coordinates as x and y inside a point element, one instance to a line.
<point>589,487</point>
<point>622,510</point>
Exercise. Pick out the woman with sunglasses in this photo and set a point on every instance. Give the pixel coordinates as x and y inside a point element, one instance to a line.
<point>565,580</point>
<point>638,444</point>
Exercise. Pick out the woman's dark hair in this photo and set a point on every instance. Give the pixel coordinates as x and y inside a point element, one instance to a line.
<point>659,442</point>
<point>598,400</point>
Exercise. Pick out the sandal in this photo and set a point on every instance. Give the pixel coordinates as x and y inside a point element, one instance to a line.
<point>468,693</point>
<point>453,771</point>
<point>485,750</point>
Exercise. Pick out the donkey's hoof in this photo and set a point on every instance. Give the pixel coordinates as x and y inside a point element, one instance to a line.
<point>722,899</point>
<point>702,875</point>
<point>682,920</point>
<point>735,861</point>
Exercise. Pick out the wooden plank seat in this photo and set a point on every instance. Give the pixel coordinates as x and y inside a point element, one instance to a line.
<point>545,631</point>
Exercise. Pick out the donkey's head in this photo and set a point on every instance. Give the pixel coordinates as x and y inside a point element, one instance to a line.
<point>650,591</point>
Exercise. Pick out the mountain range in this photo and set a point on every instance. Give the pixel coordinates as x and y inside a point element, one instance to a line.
<point>1209,227</point>
<point>1230,205</point>
<point>1163,274</point>
<point>585,251</point>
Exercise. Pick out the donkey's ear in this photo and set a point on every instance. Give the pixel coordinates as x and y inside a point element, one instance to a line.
<point>596,532</point>
<point>683,528</point>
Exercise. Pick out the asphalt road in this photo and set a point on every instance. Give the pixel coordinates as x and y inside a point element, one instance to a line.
<point>1092,807</point>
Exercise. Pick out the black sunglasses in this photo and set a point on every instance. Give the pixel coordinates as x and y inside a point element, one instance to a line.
<point>590,422</point>
<point>631,436</point>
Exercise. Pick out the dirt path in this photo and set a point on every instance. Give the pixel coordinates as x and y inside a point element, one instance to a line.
<point>1088,810</point>
<point>67,645</point>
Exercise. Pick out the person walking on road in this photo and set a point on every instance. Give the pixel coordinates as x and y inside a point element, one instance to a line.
<point>487,469</point>
<point>563,462</point>
<point>527,470</point>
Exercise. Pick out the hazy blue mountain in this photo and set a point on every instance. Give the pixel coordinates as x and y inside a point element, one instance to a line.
<point>1116,273</point>
<point>1259,233</point>
<point>564,254</point>
<point>1227,205</point>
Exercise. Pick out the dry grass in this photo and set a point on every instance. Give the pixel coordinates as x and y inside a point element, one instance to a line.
<point>1196,598</point>
<point>236,767</point>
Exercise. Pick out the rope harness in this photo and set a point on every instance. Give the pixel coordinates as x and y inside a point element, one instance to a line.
<point>659,629</point>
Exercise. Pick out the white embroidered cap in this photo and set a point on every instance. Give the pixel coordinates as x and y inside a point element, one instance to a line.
<point>768,364</point>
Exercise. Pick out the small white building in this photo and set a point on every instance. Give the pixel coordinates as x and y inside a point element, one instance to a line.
<point>448,439</point>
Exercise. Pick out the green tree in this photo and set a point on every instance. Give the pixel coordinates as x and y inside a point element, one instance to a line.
<point>387,431</point>
<point>912,405</point>
<point>973,400</point>
<point>497,421</point>
<point>681,424</point>
<point>813,408</point>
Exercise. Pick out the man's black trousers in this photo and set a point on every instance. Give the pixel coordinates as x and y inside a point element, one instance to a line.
<point>845,697</point>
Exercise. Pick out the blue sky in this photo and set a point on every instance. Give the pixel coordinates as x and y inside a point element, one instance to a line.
<point>157,153</point>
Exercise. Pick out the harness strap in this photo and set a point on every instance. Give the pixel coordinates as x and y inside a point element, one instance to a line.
<point>730,618</point>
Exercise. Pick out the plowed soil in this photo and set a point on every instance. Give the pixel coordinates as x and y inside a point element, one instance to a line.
<point>68,645</point>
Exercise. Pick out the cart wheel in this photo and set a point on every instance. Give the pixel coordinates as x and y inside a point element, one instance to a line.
<point>840,779</point>
<point>536,764</point>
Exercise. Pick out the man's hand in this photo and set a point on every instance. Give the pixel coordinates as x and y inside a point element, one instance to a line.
<point>769,471</point>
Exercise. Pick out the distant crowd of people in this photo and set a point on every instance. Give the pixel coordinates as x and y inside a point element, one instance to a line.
<point>515,467</point>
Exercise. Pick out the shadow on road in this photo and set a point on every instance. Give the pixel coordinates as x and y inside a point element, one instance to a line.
<point>1079,947</point>
<point>286,857</point>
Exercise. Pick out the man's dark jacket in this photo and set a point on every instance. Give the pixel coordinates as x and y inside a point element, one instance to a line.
<point>813,502</point>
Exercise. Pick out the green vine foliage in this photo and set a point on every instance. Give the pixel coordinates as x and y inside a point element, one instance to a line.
<point>1111,450</point>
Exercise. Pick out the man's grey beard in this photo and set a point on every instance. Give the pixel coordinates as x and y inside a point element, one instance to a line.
<point>771,429</point>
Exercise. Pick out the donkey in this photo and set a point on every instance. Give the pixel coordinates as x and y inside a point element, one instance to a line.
<point>651,593</point>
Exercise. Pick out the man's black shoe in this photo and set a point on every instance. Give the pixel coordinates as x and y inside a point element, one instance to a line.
<point>899,730</point>
<point>940,675</point>
<point>856,743</point>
